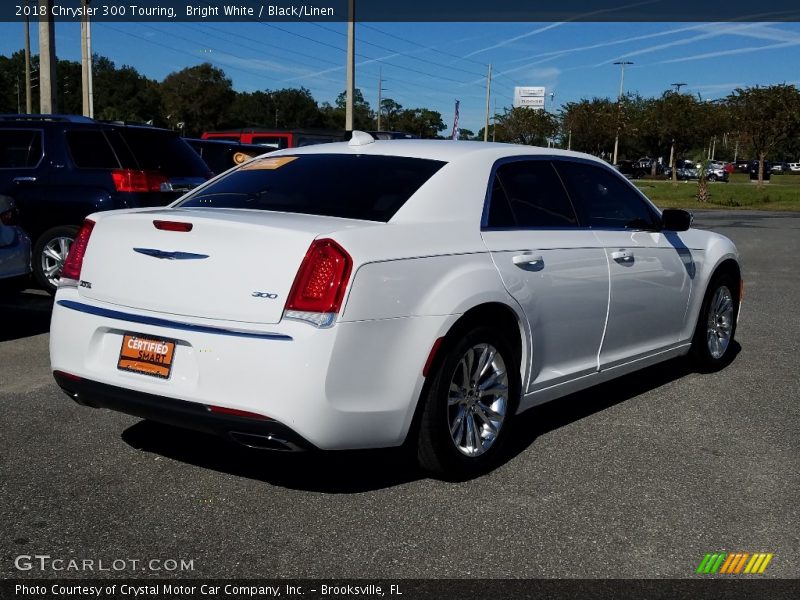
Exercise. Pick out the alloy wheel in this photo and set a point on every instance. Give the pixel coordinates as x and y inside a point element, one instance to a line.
<point>477,400</point>
<point>720,322</point>
<point>53,256</point>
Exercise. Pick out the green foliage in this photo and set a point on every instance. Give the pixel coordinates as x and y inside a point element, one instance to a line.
<point>766,117</point>
<point>198,97</point>
<point>526,126</point>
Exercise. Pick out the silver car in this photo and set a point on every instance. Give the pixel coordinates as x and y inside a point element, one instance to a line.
<point>15,247</point>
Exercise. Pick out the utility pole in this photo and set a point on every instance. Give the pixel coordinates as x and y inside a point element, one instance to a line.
<point>380,90</point>
<point>47,58</point>
<point>351,65</point>
<point>488,97</point>
<point>494,120</point>
<point>28,94</point>
<point>622,64</point>
<point>86,62</point>
<point>677,87</point>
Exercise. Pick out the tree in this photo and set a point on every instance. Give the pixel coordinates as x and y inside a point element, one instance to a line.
<point>466,134</point>
<point>390,111</point>
<point>124,94</point>
<point>526,126</point>
<point>287,108</point>
<point>592,124</point>
<point>12,79</point>
<point>420,121</point>
<point>334,116</point>
<point>197,96</point>
<point>766,116</point>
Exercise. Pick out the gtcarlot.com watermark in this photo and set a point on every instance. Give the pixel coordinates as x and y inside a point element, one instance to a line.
<point>49,564</point>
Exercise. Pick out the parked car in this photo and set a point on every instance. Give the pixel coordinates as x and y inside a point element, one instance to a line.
<point>363,294</point>
<point>752,168</point>
<point>15,248</point>
<point>221,155</point>
<point>779,168</point>
<point>646,165</point>
<point>742,166</point>
<point>60,168</point>
<point>794,167</point>
<point>716,171</point>
<point>630,169</point>
<point>393,135</point>
<point>684,170</point>
<point>278,139</point>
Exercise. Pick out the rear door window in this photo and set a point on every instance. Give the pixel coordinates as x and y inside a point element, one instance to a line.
<point>20,148</point>
<point>349,186</point>
<point>535,194</point>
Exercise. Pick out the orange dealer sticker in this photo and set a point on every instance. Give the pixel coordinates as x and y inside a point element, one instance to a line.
<point>146,355</point>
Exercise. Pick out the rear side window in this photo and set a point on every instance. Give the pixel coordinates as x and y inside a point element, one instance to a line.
<point>531,191</point>
<point>164,152</point>
<point>604,200</point>
<point>370,188</point>
<point>20,148</point>
<point>91,150</point>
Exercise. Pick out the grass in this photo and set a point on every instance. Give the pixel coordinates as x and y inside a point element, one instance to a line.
<point>782,193</point>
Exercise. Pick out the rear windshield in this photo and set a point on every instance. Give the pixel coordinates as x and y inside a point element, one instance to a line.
<point>163,152</point>
<point>371,188</point>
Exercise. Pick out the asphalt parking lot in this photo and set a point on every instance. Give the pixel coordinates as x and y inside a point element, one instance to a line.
<point>638,478</point>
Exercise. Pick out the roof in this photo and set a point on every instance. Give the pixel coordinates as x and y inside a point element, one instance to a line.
<point>444,150</point>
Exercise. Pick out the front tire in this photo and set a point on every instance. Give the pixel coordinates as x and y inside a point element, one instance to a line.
<point>712,346</point>
<point>469,405</point>
<point>49,254</point>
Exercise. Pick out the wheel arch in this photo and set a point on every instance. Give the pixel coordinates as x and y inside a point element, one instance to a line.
<point>499,315</point>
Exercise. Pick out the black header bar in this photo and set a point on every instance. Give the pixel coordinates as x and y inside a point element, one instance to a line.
<point>150,11</point>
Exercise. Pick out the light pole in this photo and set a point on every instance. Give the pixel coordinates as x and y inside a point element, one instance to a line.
<point>677,87</point>
<point>350,90</point>
<point>622,64</point>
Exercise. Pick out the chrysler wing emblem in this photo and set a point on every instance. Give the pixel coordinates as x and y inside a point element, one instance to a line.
<point>155,253</point>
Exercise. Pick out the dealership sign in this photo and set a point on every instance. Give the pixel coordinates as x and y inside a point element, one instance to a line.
<point>529,97</point>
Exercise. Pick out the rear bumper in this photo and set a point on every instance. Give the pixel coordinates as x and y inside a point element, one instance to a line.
<point>354,385</point>
<point>258,433</point>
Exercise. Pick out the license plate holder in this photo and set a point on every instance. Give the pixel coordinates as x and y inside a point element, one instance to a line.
<point>146,355</point>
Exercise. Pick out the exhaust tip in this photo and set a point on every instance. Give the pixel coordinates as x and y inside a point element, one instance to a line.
<point>264,442</point>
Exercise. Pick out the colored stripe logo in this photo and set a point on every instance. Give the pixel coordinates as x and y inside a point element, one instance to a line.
<point>734,563</point>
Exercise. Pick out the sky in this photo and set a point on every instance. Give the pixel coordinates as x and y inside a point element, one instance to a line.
<point>431,65</point>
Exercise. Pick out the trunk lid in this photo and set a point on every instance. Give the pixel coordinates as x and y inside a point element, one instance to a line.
<point>236,265</point>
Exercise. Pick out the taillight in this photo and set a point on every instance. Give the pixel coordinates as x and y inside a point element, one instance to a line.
<point>131,180</point>
<point>319,287</point>
<point>74,263</point>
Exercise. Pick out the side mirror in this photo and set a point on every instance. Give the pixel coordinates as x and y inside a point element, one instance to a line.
<point>675,219</point>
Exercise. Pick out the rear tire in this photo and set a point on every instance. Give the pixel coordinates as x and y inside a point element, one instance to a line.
<point>712,345</point>
<point>49,254</point>
<point>469,405</point>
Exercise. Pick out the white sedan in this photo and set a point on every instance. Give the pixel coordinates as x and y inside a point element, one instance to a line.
<point>372,293</point>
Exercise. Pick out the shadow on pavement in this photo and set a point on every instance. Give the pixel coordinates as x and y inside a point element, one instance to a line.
<point>355,471</point>
<point>24,314</point>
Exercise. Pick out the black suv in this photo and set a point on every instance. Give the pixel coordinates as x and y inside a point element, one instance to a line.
<point>61,168</point>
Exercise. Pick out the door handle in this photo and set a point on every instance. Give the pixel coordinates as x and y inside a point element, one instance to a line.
<point>622,256</point>
<point>24,179</point>
<point>528,260</point>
